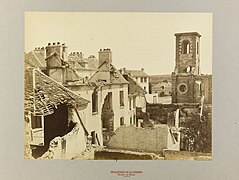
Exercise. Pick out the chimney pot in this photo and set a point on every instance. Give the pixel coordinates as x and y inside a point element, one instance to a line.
<point>49,44</point>
<point>63,44</point>
<point>54,43</point>
<point>58,43</point>
<point>142,69</point>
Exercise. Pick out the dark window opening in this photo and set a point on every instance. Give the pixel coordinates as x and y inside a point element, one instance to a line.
<point>121,121</point>
<point>145,79</point>
<point>130,120</point>
<point>36,122</point>
<point>175,135</point>
<point>93,135</point>
<point>130,104</point>
<point>121,98</point>
<point>197,48</point>
<point>142,79</point>
<point>94,102</point>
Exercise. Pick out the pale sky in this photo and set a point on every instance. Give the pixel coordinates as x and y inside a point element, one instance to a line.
<point>136,39</point>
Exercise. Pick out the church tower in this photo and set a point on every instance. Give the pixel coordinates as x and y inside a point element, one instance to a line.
<point>187,53</point>
<point>187,68</point>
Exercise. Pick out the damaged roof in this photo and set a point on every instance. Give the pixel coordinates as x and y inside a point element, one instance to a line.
<point>134,88</point>
<point>43,94</point>
<point>106,75</point>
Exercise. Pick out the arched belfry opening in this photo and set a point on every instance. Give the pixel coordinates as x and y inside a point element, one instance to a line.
<point>186,47</point>
<point>107,118</point>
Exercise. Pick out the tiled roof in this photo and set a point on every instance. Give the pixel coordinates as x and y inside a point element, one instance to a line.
<point>45,94</point>
<point>134,88</point>
<point>112,75</point>
<point>35,59</point>
<point>136,73</point>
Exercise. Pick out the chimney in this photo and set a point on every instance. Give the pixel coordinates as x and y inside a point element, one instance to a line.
<point>142,69</point>
<point>105,55</point>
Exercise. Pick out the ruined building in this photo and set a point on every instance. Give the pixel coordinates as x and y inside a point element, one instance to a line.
<point>139,76</point>
<point>53,126</point>
<point>188,84</point>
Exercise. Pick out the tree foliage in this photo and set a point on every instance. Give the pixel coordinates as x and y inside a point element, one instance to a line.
<point>197,131</point>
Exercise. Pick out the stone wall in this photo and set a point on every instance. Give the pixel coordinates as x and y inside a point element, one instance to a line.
<point>140,139</point>
<point>111,154</point>
<point>185,155</point>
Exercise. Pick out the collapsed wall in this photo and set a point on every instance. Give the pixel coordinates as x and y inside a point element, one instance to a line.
<point>68,146</point>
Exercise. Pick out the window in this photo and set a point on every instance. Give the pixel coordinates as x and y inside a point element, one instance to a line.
<point>162,87</point>
<point>121,121</point>
<point>130,120</point>
<point>36,122</point>
<point>144,88</point>
<point>142,79</point>
<point>197,48</point>
<point>154,99</point>
<point>145,79</point>
<point>185,47</point>
<point>130,103</point>
<point>134,119</point>
<point>121,98</point>
<point>182,88</point>
<point>94,102</point>
<point>134,102</point>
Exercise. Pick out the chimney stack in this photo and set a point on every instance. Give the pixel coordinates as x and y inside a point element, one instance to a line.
<point>105,55</point>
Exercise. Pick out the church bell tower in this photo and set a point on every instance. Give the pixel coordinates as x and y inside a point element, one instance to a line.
<point>187,67</point>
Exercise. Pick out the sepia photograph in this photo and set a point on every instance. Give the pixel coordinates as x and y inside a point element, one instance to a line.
<point>118,86</point>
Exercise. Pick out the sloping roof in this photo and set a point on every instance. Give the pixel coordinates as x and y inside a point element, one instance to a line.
<point>40,57</point>
<point>162,84</point>
<point>136,73</point>
<point>112,75</point>
<point>134,88</point>
<point>43,94</point>
<point>155,79</point>
<point>35,59</point>
<point>92,62</point>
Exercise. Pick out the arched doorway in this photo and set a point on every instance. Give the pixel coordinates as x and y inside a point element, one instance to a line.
<point>107,118</point>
